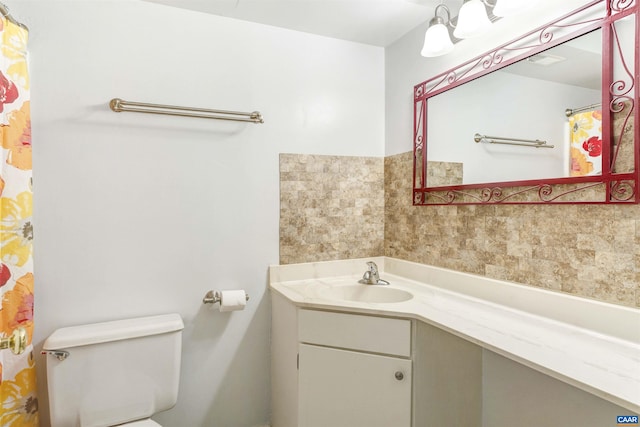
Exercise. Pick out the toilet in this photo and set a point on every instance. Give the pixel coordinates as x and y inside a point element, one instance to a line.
<point>114,373</point>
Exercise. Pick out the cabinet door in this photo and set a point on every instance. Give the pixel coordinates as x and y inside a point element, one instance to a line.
<point>341,388</point>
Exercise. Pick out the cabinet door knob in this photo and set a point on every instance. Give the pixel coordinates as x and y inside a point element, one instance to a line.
<point>399,376</point>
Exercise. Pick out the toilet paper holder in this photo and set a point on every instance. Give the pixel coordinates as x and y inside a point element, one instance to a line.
<point>214,297</point>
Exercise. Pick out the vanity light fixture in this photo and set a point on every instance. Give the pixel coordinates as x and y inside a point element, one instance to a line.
<point>472,21</point>
<point>437,40</point>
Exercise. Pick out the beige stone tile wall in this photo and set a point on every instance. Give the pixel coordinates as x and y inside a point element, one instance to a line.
<point>587,250</point>
<point>331,207</point>
<point>444,173</point>
<point>335,207</point>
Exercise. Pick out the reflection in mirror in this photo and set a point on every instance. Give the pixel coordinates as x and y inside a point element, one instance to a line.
<point>547,118</point>
<point>526,100</point>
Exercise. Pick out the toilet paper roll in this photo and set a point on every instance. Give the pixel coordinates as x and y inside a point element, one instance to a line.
<point>233,300</point>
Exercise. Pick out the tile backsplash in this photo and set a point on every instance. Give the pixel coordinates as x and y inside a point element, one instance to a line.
<point>331,207</point>
<point>335,207</point>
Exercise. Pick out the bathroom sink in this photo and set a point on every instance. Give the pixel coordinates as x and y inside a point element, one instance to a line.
<point>367,293</point>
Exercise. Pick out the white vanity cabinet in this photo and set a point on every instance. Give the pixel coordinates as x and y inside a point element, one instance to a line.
<point>354,370</point>
<point>478,351</point>
<point>341,388</point>
<point>339,369</point>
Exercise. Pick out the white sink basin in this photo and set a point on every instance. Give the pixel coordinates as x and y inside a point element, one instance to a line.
<point>367,293</point>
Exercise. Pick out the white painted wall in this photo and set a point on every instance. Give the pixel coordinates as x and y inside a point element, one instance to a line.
<point>139,214</point>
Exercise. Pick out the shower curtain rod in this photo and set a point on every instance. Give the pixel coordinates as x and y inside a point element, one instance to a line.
<point>118,105</point>
<point>571,111</point>
<point>4,10</point>
<point>535,143</point>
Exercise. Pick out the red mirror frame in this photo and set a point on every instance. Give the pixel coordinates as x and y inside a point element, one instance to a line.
<point>612,186</point>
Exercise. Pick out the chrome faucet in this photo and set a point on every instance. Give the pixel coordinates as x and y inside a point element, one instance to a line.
<point>371,276</point>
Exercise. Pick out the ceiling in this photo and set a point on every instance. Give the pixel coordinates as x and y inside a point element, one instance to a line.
<point>374,22</point>
<point>579,63</point>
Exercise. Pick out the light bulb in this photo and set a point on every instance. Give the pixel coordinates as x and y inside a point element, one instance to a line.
<point>436,41</point>
<point>472,20</point>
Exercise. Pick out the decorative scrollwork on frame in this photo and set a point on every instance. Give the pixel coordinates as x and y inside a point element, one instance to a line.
<point>621,5</point>
<point>618,104</point>
<point>619,88</point>
<point>546,35</point>
<point>435,85</point>
<point>623,191</point>
<point>489,194</point>
<point>418,137</point>
<point>452,77</point>
<point>485,194</point>
<point>492,59</point>
<point>437,199</point>
<point>545,192</point>
<point>418,142</point>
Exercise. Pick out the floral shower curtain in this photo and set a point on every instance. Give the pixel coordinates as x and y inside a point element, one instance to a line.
<point>586,143</point>
<point>17,372</point>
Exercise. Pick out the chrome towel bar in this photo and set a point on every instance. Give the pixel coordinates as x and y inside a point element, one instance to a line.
<point>536,143</point>
<point>119,105</point>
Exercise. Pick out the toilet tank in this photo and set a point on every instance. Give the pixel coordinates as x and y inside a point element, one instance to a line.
<point>113,372</point>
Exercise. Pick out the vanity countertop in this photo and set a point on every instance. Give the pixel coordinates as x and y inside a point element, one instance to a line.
<point>589,344</point>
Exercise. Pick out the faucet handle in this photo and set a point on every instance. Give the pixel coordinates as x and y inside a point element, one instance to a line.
<point>372,276</point>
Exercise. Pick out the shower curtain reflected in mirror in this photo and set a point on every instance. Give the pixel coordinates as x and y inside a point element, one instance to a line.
<point>586,143</point>
<point>17,372</point>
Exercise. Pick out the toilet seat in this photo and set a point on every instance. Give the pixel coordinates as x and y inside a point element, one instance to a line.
<point>141,423</point>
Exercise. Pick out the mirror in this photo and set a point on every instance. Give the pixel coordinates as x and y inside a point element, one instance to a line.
<point>525,122</point>
<point>566,76</point>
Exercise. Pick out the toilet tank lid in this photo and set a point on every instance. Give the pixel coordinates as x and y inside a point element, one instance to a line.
<point>95,333</point>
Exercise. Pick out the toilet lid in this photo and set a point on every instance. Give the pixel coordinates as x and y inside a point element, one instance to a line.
<point>141,423</point>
